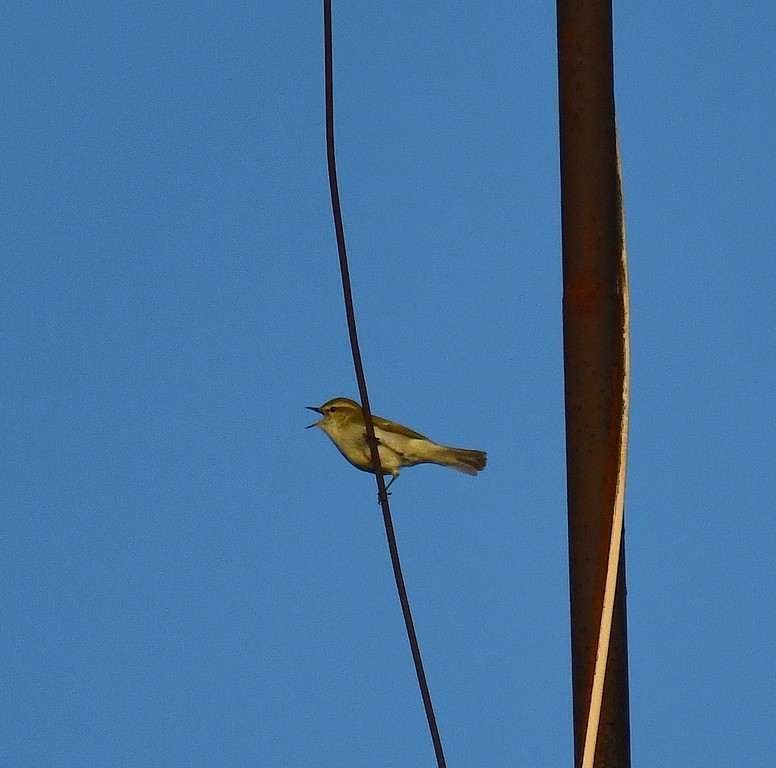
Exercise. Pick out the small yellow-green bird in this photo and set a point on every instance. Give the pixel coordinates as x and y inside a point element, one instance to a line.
<point>398,446</point>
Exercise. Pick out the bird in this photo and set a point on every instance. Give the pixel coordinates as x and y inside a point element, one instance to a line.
<point>398,446</point>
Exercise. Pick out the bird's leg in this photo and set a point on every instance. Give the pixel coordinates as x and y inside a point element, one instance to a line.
<point>387,492</point>
<point>377,440</point>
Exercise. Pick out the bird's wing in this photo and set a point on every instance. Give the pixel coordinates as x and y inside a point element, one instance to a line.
<point>398,429</point>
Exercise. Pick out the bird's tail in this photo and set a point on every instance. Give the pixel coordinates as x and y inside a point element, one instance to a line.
<point>463,460</point>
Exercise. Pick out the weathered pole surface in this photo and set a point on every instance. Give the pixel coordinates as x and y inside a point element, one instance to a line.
<point>594,361</point>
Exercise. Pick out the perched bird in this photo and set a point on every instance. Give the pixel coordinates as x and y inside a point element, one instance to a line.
<point>398,446</point>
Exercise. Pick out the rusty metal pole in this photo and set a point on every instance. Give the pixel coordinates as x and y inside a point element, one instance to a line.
<point>593,360</point>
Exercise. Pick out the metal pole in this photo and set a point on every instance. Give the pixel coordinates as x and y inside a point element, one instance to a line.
<point>594,360</point>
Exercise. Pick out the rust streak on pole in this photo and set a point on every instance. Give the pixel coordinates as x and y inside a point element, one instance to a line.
<point>593,359</point>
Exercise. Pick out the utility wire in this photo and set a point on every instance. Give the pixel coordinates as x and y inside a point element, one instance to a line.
<point>368,422</point>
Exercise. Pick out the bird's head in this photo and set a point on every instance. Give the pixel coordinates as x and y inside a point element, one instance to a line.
<point>340,410</point>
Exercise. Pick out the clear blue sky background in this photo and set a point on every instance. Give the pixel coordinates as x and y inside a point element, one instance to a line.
<point>191,579</point>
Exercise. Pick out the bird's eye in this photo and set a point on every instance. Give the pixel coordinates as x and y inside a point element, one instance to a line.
<point>333,408</point>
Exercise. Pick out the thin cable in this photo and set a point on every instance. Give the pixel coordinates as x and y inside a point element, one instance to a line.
<point>615,542</point>
<point>369,424</point>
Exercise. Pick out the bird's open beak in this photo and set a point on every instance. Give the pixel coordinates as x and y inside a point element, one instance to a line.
<point>317,410</point>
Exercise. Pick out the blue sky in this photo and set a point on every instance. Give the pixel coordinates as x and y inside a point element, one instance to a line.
<point>189,577</point>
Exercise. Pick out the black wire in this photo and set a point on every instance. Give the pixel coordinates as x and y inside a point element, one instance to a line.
<point>370,430</point>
